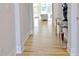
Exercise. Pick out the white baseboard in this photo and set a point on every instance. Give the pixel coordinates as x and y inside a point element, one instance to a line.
<point>25,38</point>
<point>68,50</point>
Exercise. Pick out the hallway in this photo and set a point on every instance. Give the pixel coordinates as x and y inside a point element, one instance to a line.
<point>20,35</point>
<point>43,42</point>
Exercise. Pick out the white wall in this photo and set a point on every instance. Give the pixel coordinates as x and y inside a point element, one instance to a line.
<point>25,20</point>
<point>73,31</point>
<point>17,28</point>
<point>69,28</point>
<point>55,6</point>
<point>78,29</point>
<point>24,23</point>
<point>57,13</point>
<point>15,25</point>
<point>60,11</point>
<point>30,15</point>
<point>53,14</point>
<point>7,30</point>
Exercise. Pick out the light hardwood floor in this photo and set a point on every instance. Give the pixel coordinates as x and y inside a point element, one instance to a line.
<point>43,42</point>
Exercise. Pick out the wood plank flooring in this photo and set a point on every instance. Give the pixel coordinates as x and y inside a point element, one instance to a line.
<point>43,42</point>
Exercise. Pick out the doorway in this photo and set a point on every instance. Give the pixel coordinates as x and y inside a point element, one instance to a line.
<point>42,12</point>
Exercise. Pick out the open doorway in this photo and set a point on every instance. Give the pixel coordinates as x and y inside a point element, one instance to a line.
<point>42,12</point>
